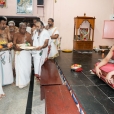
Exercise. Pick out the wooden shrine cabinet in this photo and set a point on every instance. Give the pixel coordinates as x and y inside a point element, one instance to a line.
<point>83,37</point>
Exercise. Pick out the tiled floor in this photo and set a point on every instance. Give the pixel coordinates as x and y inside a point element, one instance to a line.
<point>15,100</point>
<point>38,106</point>
<point>94,95</point>
<point>18,101</point>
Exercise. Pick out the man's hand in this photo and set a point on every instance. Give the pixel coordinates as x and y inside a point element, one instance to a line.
<point>10,45</point>
<point>18,47</point>
<point>39,48</point>
<point>98,72</point>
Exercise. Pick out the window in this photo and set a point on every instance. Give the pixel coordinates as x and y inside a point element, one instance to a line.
<point>40,2</point>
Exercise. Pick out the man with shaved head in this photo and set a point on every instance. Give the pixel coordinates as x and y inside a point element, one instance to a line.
<point>22,57</point>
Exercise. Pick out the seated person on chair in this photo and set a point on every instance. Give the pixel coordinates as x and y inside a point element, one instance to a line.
<point>110,76</point>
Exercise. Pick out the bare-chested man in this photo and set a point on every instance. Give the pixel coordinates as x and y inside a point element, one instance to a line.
<point>6,74</point>
<point>22,57</point>
<point>12,30</point>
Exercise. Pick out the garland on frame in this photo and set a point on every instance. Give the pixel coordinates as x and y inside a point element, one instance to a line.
<point>2,3</point>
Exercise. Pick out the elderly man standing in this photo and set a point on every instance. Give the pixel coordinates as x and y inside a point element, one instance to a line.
<point>40,40</point>
<point>12,30</point>
<point>54,34</point>
<point>6,73</point>
<point>22,57</point>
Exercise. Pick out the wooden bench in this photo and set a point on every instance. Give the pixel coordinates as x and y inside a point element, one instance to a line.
<point>49,76</point>
<point>105,70</point>
<point>58,100</point>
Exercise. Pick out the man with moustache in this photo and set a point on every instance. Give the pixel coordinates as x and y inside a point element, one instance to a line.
<point>6,74</point>
<point>54,34</point>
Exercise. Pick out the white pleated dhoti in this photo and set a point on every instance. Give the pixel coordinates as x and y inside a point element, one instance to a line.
<point>53,50</point>
<point>6,73</point>
<point>1,90</point>
<point>13,58</point>
<point>23,68</point>
<point>39,60</point>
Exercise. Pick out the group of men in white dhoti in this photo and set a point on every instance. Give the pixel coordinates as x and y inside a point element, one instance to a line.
<point>42,41</point>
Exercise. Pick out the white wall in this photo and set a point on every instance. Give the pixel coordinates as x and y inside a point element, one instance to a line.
<point>64,11</point>
<point>10,9</point>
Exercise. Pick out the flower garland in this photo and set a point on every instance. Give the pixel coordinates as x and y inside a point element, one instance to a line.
<point>2,3</point>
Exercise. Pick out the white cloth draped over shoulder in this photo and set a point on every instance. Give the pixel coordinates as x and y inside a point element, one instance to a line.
<point>6,73</point>
<point>54,42</point>
<point>53,31</point>
<point>23,68</point>
<point>39,56</point>
<point>28,29</point>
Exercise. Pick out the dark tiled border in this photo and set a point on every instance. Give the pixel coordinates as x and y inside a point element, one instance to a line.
<point>65,82</point>
<point>30,95</point>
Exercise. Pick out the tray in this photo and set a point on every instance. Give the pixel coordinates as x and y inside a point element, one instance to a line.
<point>28,47</point>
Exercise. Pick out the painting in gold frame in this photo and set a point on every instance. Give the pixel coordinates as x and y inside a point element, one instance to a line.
<point>24,6</point>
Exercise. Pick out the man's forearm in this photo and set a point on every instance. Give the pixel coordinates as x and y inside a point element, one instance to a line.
<point>54,36</point>
<point>45,44</point>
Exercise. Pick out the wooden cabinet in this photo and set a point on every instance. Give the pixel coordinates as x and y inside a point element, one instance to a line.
<point>79,42</point>
<point>82,45</point>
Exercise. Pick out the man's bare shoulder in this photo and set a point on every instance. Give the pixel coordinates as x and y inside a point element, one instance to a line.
<point>7,29</point>
<point>16,34</point>
<point>28,34</point>
<point>16,29</point>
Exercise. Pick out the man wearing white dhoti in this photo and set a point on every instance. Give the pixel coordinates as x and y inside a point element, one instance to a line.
<point>40,40</point>
<point>54,34</point>
<point>12,30</point>
<point>6,74</point>
<point>22,57</point>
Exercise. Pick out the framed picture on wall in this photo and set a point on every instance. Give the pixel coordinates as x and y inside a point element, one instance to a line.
<point>2,3</point>
<point>24,6</point>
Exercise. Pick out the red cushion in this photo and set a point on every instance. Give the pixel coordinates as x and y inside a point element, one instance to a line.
<point>107,68</point>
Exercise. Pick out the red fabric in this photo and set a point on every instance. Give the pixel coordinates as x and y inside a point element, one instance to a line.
<point>107,68</point>
<point>79,70</point>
